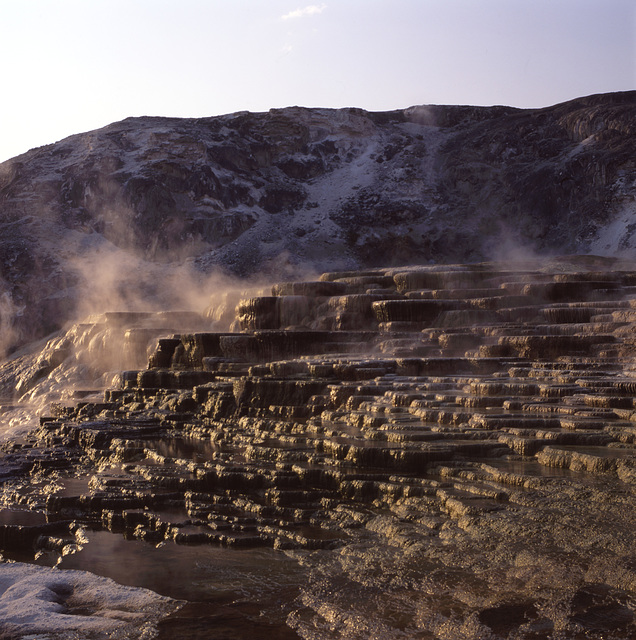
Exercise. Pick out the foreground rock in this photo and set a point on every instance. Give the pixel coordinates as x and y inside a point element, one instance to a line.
<point>113,214</point>
<point>456,444</point>
<point>46,603</point>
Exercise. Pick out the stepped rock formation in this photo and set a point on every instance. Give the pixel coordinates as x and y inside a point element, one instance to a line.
<point>440,452</point>
<point>109,213</point>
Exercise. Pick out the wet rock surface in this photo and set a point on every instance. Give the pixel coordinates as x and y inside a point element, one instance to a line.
<point>440,452</point>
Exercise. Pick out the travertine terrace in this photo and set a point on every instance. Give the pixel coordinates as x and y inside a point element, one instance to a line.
<point>447,451</point>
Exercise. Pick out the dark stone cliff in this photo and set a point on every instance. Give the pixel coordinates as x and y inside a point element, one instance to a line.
<point>110,212</point>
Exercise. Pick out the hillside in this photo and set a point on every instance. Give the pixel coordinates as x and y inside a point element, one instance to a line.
<point>139,213</point>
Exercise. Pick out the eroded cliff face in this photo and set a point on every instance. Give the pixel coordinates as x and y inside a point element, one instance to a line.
<point>250,192</point>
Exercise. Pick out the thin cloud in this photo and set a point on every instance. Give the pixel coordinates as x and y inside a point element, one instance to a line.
<point>311,10</point>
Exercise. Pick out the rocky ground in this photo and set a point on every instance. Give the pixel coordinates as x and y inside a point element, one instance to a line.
<point>136,215</point>
<point>431,452</point>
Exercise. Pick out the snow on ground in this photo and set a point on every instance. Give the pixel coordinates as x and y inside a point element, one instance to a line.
<point>54,604</point>
<point>618,238</point>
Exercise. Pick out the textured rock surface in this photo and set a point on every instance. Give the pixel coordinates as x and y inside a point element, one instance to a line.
<point>442,452</point>
<point>108,214</point>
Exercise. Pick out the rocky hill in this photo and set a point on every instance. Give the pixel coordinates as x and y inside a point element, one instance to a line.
<point>137,213</point>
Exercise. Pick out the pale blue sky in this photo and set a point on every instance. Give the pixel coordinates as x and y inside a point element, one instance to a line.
<point>73,65</point>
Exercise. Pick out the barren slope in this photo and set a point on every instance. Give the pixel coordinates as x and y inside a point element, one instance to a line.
<point>107,215</point>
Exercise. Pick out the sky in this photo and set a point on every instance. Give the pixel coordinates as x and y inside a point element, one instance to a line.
<point>70,66</point>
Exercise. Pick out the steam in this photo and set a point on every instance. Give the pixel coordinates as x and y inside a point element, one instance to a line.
<point>93,346</point>
<point>114,280</point>
<point>109,284</point>
<point>507,246</point>
<point>421,114</point>
<point>9,312</point>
